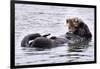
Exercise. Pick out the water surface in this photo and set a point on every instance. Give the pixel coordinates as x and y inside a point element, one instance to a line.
<point>50,19</point>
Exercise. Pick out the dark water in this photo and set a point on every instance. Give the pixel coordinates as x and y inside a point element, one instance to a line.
<point>50,19</point>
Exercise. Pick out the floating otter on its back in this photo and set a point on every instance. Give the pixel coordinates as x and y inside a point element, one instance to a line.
<point>39,41</point>
<point>78,32</point>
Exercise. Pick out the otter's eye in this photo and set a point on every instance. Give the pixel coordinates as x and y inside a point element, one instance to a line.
<point>67,21</point>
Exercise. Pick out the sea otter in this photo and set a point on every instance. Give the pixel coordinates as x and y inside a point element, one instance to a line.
<point>39,41</point>
<point>78,32</point>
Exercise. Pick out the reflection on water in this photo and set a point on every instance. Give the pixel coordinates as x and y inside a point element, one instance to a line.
<point>51,19</point>
<point>80,47</point>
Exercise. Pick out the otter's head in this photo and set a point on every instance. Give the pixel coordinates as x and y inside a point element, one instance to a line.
<point>73,23</point>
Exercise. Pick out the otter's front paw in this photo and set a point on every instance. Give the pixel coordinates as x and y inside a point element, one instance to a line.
<point>68,33</point>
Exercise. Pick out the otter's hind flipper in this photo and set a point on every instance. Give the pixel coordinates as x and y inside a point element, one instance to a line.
<point>46,35</point>
<point>26,39</point>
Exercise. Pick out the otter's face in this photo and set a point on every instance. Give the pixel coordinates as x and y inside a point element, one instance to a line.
<point>72,24</point>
